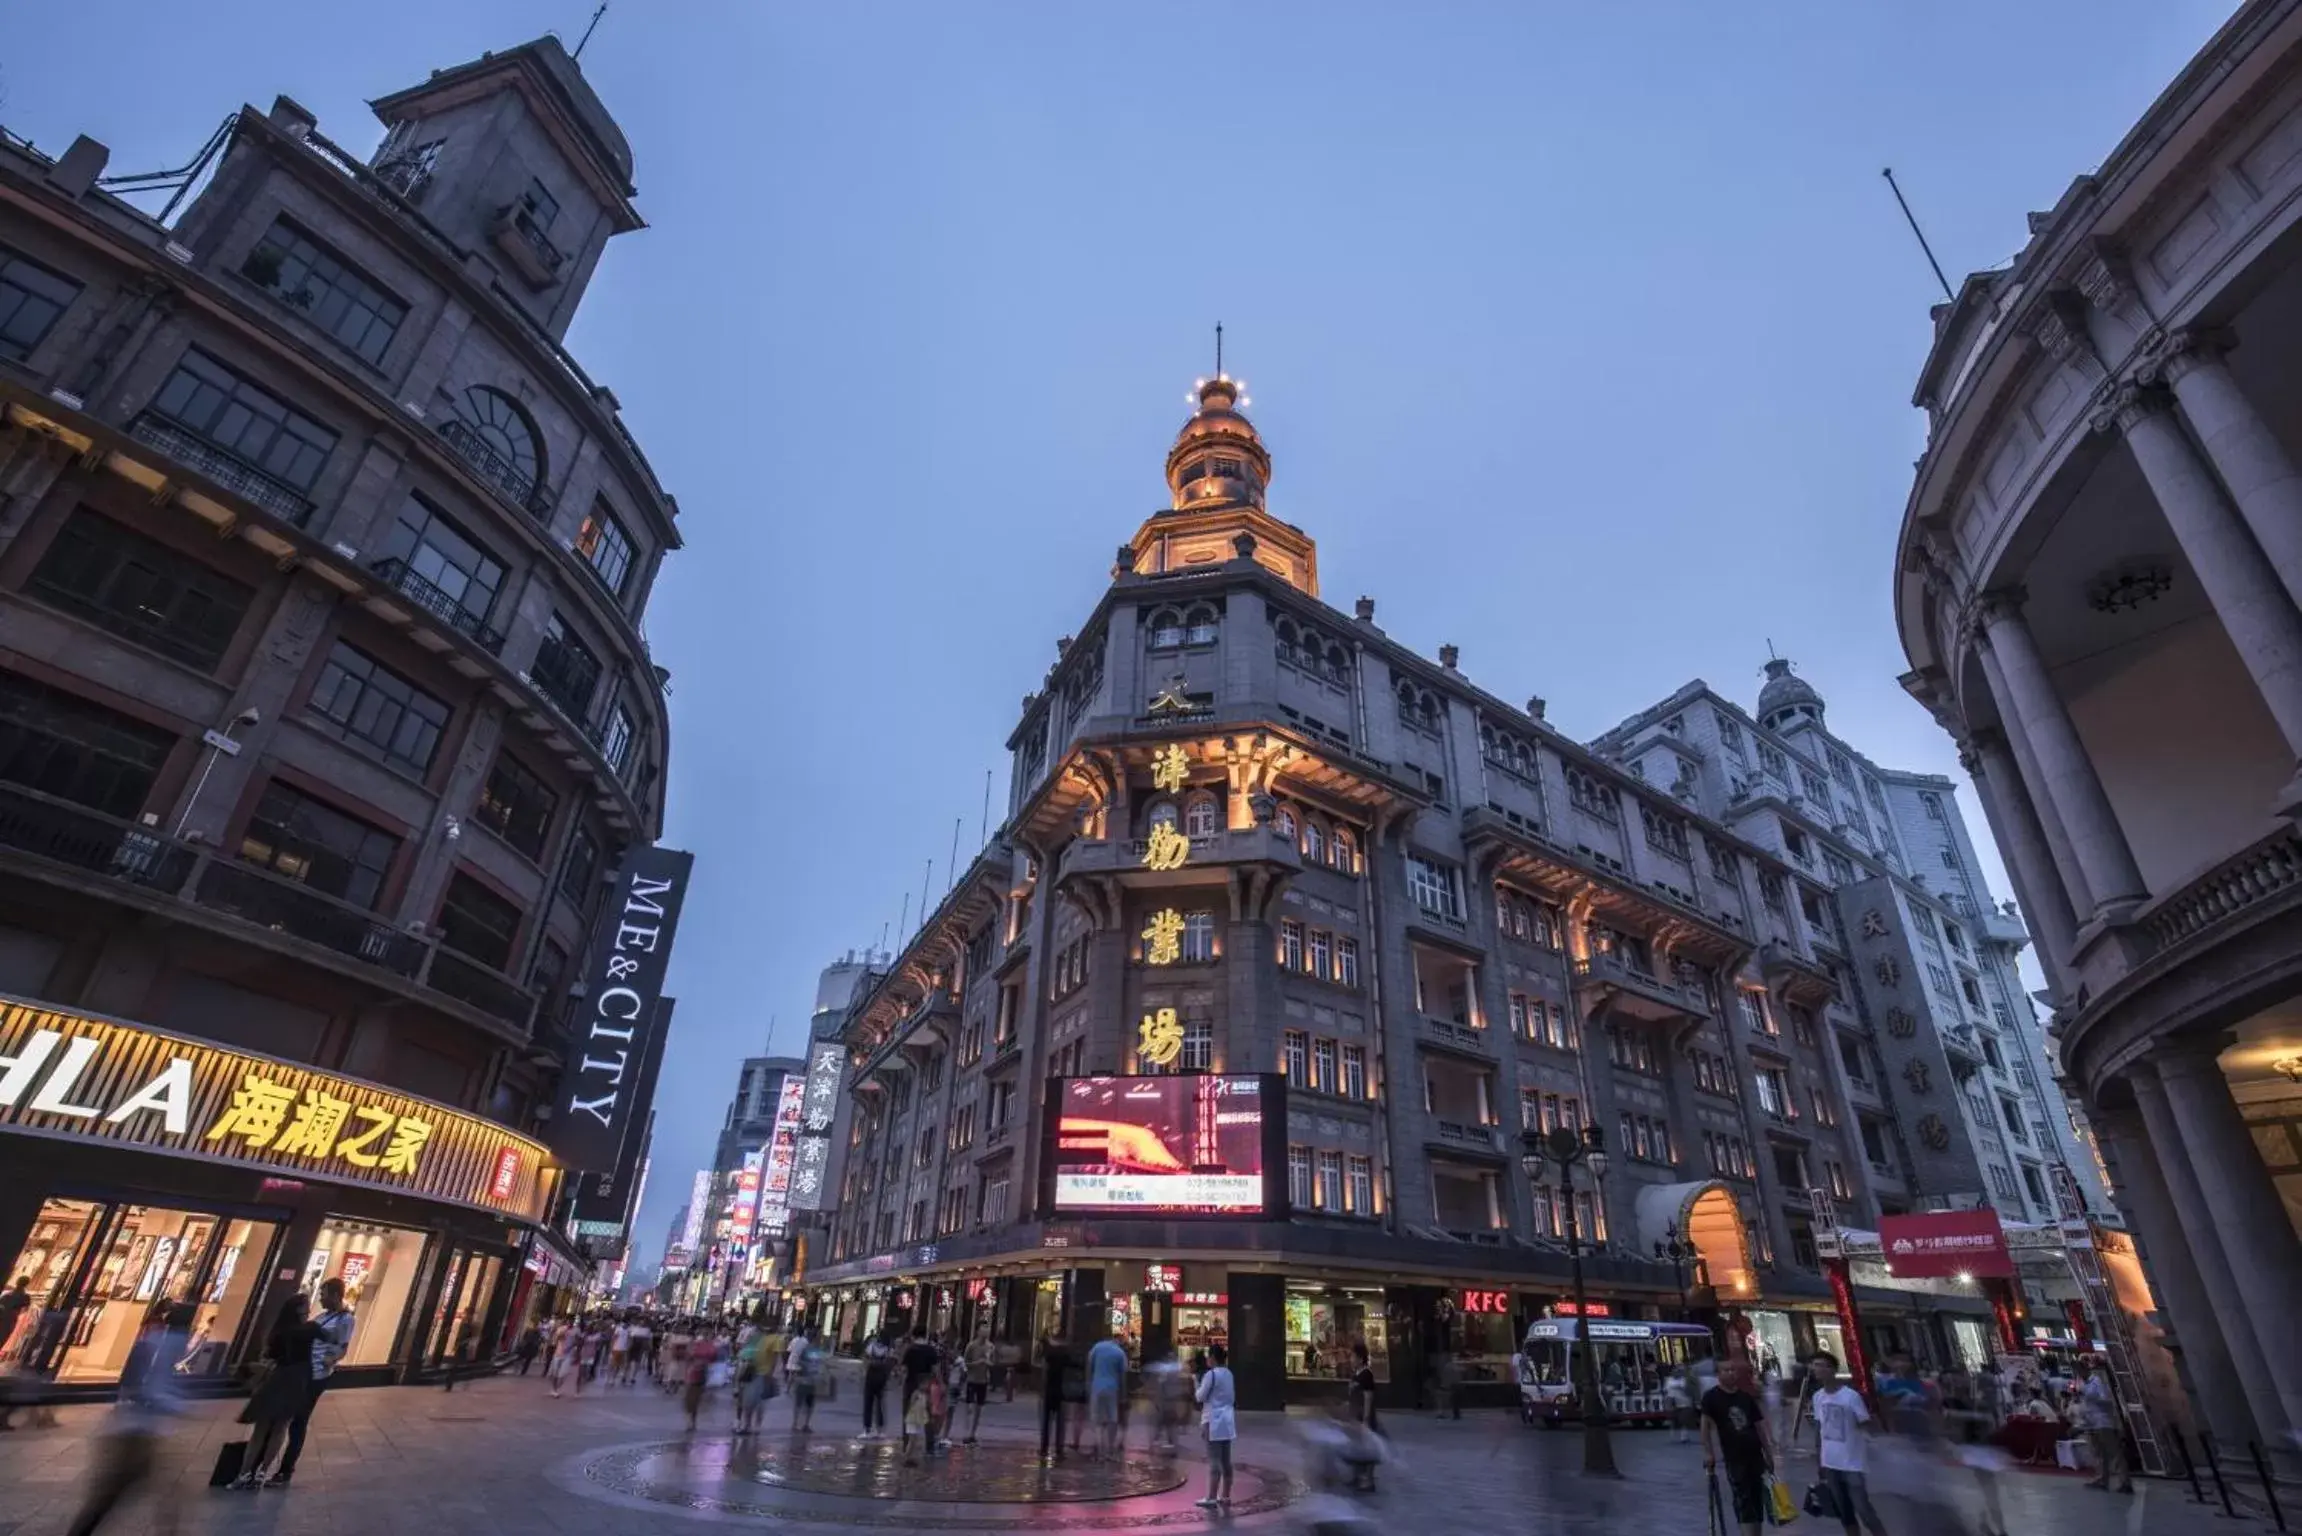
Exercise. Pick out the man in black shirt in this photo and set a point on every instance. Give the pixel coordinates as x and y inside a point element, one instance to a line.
<point>1055,1367</point>
<point>1735,1432</point>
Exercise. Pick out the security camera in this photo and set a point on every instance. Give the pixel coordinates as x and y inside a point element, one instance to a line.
<point>246,717</point>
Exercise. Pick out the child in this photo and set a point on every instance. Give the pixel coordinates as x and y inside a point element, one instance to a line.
<point>938,1395</point>
<point>918,1420</point>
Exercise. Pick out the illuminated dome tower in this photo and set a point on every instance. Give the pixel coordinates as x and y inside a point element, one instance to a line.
<point>1217,473</point>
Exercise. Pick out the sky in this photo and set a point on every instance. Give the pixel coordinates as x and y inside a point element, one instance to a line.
<point>1582,336</point>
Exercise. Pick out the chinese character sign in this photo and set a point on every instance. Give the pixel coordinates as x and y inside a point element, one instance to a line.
<point>1166,848</point>
<point>826,1067</point>
<point>70,1075</point>
<point>782,1147</point>
<point>1159,1039</point>
<point>1163,937</point>
<point>1170,768</point>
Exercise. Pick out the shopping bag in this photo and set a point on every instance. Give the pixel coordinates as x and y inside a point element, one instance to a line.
<point>1779,1504</point>
<point>1819,1503</point>
<point>231,1456</point>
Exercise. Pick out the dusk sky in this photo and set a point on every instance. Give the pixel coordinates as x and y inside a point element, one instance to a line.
<point>1583,337</point>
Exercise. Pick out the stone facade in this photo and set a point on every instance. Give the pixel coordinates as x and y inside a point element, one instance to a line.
<point>2099,587</point>
<point>324,708</point>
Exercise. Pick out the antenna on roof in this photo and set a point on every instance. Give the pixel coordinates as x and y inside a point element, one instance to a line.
<point>589,30</point>
<point>1218,349</point>
<point>1770,655</point>
<point>1912,219</point>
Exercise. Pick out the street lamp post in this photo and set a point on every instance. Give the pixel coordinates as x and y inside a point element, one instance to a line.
<point>1566,1148</point>
<point>1679,1253</point>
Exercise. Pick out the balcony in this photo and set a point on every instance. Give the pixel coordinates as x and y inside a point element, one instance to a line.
<point>420,590</point>
<point>222,466</point>
<point>499,473</point>
<point>523,242</point>
<point>293,908</point>
<point>2227,893</point>
<point>489,990</point>
<point>1801,980</point>
<point>1215,850</point>
<point>1638,992</point>
<point>567,678</point>
<point>1484,1138</point>
<point>48,828</point>
<point>1459,1037</point>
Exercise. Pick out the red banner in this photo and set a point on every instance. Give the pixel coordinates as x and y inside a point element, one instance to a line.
<point>1942,1244</point>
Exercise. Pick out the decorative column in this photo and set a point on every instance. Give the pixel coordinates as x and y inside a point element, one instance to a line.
<point>2197,1230</point>
<point>2066,777</point>
<point>2176,1283</point>
<point>2263,624</point>
<point>2247,455</point>
<point>2264,1255</point>
<point>2026,774</point>
<point>2014,824</point>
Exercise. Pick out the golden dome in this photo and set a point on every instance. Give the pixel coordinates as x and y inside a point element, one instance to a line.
<point>1218,456</point>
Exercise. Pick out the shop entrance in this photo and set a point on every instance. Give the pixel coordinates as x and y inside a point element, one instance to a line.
<point>95,1268</point>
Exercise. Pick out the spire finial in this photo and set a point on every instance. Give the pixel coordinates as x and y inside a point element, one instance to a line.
<point>1218,349</point>
<point>588,31</point>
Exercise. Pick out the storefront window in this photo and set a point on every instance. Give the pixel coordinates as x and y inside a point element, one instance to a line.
<point>378,1266</point>
<point>463,1306</point>
<point>1323,1325</point>
<point>1771,1340</point>
<point>1201,1323</point>
<point>1483,1342</point>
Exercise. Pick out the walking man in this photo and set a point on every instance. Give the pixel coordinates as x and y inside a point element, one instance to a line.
<point>1841,1420</point>
<point>1055,1367</point>
<point>2098,1413</point>
<point>128,1441</point>
<point>1735,1431</point>
<point>978,1360</point>
<point>331,1337</point>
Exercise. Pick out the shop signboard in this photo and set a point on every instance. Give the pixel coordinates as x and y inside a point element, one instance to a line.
<point>745,1213</point>
<point>1191,1145</point>
<point>615,1029</point>
<point>82,1077</point>
<point>606,1198</point>
<point>818,1118</point>
<point>782,1145</point>
<point>1485,1303</point>
<point>1942,1244</point>
<point>698,1211</point>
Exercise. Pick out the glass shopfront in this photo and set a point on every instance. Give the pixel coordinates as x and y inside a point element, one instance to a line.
<point>463,1306</point>
<point>96,1267</point>
<point>379,1266</point>
<point>1481,1328</point>
<point>1324,1322</point>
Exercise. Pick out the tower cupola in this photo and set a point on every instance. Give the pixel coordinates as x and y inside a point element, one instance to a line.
<point>1218,457</point>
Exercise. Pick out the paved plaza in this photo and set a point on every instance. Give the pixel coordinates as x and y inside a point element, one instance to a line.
<point>501,1457</point>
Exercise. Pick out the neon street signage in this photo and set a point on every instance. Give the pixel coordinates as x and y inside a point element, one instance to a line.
<point>623,982</point>
<point>84,1078</point>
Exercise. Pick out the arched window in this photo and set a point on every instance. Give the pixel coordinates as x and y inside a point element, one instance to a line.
<point>1346,850</point>
<point>1166,629</point>
<point>1286,823</point>
<point>1163,814</point>
<point>1199,626</point>
<point>1201,817</point>
<point>499,440</point>
<point>1314,841</point>
<point>1338,663</point>
<point>1285,629</point>
<point>1407,699</point>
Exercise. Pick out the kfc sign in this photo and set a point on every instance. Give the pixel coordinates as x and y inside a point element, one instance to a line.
<point>1485,1303</point>
<point>1944,1244</point>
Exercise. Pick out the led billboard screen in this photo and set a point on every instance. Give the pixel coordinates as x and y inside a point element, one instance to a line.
<point>1191,1145</point>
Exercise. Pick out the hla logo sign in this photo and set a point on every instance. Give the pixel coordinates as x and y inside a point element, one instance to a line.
<point>168,1093</point>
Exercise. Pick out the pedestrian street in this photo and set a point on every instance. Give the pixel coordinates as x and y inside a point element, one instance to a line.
<point>500,1457</point>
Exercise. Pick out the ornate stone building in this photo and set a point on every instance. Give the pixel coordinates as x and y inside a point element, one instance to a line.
<point>1250,833</point>
<point>324,707</point>
<point>2099,587</point>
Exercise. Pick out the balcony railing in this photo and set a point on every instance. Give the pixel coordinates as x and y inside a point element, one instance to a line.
<point>421,591</point>
<point>505,477</point>
<point>223,466</point>
<point>296,909</point>
<point>567,679</point>
<point>48,828</point>
<point>521,238</point>
<point>2226,891</point>
<point>489,990</point>
<point>1449,1032</point>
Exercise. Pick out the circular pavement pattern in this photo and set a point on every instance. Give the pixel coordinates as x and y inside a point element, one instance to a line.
<point>997,1486</point>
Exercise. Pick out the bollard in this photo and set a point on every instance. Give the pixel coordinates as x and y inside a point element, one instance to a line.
<point>2269,1492</point>
<point>2189,1468</point>
<point>2214,1465</point>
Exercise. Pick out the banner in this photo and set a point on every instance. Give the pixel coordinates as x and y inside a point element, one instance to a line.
<point>782,1145</point>
<point>698,1212</point>
<point>1942,1244</point>
<point>818,1118</point>
<point>605,1198</point>
<point>614,1030</point>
